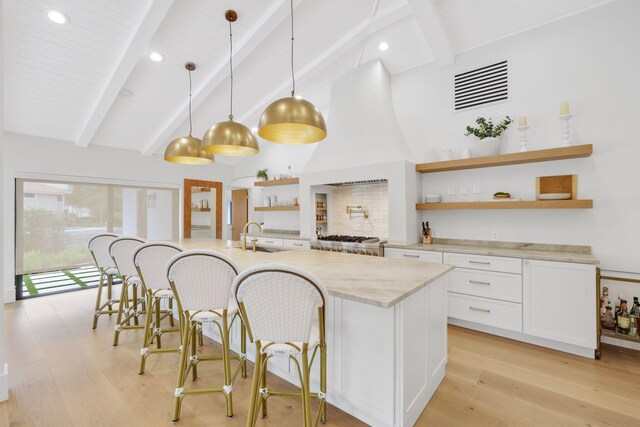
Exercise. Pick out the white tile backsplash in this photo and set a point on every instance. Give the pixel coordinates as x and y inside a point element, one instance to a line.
<point>373,197</point>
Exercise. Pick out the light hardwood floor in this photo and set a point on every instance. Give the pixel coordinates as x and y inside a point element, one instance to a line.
<point>64,374</point>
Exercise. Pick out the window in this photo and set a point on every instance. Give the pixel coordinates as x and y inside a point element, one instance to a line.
<point>55,220</point>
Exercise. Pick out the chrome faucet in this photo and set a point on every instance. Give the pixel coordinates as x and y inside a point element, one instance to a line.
<point>244,236</point>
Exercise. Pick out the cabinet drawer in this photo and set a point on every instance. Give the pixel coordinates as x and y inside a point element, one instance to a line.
<point>428,256</point>
<point>489,284</point>
<point>299,244</point>
<point>499,314</point>
<point>269,241</point>
<point>482,262</point>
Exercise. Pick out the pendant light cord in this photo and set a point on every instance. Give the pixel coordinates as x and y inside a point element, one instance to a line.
<point>231,70</point>
<point>190,124</point>
<point>293,75</point>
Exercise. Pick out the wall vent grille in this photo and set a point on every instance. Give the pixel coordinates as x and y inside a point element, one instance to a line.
<point>482,86</point>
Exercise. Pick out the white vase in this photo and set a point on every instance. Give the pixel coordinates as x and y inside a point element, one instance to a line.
<point>486,147</point>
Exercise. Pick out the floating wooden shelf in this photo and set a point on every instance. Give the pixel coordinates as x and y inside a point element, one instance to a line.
<point>321,221</point>
<point>528,204</point>
<point>321,209</point>
<point>200,209</point>
<point>200,190</point>
<point>276,208</point>
<point>273,182</point>
<point>561,153</point>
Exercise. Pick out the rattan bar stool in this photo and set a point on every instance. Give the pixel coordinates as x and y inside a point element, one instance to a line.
<point>121,250</point>
<point>99,248</point>
<point>284,311</point>
<point>201,281</point>
<point>150,260</point>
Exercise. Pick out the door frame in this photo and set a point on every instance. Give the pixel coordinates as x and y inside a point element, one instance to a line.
<point>186,220</point>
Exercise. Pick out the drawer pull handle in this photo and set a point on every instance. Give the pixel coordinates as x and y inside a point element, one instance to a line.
<point>484,310</point>
<point>475,282</point>
<point>410,256</point>
<point>479,262</point>
<point>298,244</point>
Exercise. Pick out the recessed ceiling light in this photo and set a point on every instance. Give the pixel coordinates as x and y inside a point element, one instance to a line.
<point>254,129</point>
<point>298,96</point>
<point>383,46</point>
<point>156,57</point>
<point>57,17</point>
<point>127,93</point>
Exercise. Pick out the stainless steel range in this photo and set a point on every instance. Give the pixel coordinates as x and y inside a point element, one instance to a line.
<point>350,244</point>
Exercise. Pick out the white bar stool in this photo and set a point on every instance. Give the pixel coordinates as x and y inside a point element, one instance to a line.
<point>201,281</point>
<point>121,250</point>
<point>150,260</point>
<point>284,311</point>
<point>99,248</point>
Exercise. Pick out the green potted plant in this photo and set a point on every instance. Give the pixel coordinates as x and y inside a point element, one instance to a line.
<point>488,135</point>
<point>262,174</point>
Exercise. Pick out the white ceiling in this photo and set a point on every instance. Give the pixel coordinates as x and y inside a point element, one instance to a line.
<point>62,82</point>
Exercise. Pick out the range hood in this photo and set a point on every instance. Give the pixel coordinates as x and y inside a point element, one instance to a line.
<point>362,128</point>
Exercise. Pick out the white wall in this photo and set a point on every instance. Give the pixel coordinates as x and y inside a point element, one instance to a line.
<point>33,156</point>
<point>591,60</point>
<point>4,390</point>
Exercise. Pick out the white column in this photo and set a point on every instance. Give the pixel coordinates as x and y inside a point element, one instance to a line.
<point>4,390</point>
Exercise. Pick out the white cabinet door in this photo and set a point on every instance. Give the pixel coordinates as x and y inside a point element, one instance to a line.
<point>559,302</point>
<point>297,244</point>
<point>269,241</point>
<point>417,255</point>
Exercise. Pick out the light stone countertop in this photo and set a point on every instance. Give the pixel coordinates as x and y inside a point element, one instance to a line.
<point>537,251</point>
<point>378,281</point>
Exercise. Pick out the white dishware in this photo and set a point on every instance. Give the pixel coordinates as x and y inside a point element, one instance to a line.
<point>446,155</point>
<point>267,202</point>
<point>466,153</point>
<point>432,198</point>
<point>430,155</point>
<point>554,196</point>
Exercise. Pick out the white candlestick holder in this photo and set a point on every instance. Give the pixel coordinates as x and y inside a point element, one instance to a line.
<point>523,138</point>
<point>565,132</point>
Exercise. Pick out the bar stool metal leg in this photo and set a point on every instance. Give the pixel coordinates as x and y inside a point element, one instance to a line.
<point>98,298</point>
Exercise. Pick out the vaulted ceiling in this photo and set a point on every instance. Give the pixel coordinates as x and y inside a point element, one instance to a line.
<point>91,81</point>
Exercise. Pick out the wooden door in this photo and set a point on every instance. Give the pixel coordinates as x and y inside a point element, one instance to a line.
<point>239,212</point>
<point>186,220</point>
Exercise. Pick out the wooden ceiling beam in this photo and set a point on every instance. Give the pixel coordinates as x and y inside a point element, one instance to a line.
<point>153,15</point>
<point>434,30</point>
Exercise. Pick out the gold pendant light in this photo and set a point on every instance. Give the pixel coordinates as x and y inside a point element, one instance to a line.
<point>292,120</point>
<point>230,138</point>
<point>188,149</point>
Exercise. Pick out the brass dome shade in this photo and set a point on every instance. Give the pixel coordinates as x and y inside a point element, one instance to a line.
<point>187,150</point>
<point>230,139</point>
<point>292,121</point>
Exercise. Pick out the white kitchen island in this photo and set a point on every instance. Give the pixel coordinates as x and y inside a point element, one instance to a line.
<point>386,329</point>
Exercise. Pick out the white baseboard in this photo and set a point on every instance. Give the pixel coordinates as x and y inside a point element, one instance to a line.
<point>9,295</point>
<point>519,336</point>
<point>4,383</point>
